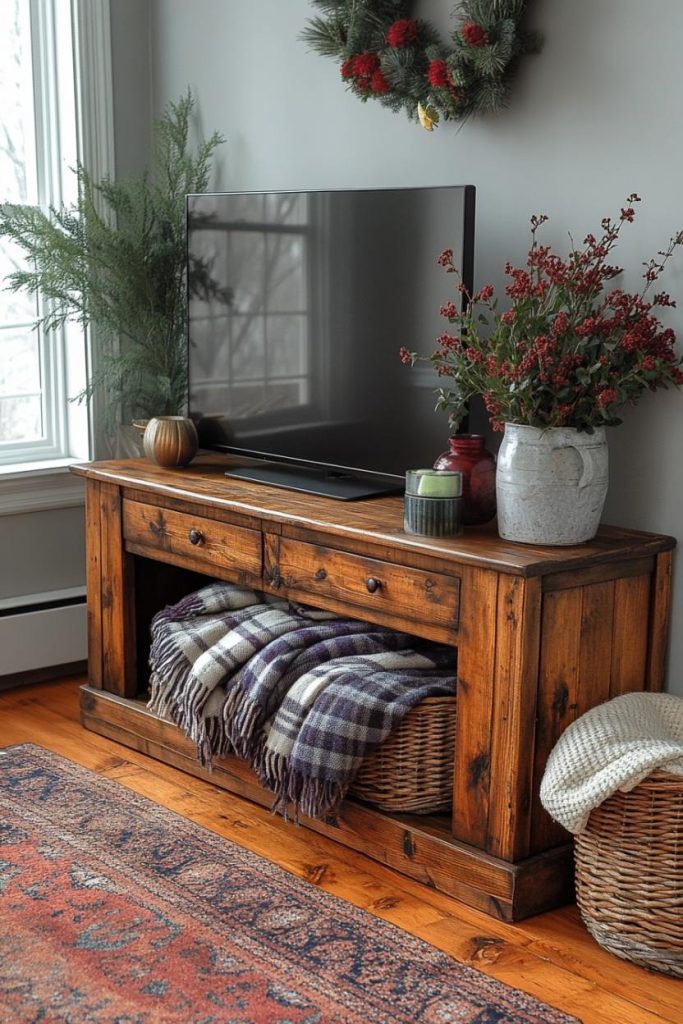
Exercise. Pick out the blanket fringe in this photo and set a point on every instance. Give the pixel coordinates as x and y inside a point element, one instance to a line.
<point>242,727</point>
<point>314,798</point>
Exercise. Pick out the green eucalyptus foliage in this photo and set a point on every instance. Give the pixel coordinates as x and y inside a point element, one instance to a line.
<point>116,260</point>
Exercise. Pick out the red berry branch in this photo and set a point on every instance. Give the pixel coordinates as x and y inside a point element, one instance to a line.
<point>570,350</point>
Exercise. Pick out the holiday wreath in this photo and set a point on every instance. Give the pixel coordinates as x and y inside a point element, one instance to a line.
<point>401,61</point>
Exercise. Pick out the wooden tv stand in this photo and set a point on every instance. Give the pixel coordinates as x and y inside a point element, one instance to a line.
<point>542,634</point>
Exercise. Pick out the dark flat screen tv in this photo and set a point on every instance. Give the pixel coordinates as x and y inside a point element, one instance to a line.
<point>299,303</point>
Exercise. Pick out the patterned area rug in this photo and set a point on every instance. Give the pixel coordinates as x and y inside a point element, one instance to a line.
<point>117,911</point>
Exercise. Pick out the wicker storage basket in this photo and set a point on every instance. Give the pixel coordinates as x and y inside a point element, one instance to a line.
<point>412,770</point>
<point>629,874</point>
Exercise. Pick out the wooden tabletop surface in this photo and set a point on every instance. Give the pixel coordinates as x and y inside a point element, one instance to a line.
<point>378,520</point>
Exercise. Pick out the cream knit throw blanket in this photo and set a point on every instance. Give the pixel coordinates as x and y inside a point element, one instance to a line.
<point>612,747</point>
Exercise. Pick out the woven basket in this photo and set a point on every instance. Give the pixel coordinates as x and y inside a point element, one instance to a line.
<point>629,874</point>
<point>412,770</point>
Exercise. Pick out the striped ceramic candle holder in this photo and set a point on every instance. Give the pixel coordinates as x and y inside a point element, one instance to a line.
<point>432,502</point>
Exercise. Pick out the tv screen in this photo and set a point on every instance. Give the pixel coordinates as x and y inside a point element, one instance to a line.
<point>299,303</point>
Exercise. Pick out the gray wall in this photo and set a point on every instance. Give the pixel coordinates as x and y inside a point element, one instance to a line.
<point>40,552</point>
<point>131,75</point>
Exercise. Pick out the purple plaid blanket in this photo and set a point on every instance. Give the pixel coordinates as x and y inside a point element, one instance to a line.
<point>303,695</point>
<point>197,646</point>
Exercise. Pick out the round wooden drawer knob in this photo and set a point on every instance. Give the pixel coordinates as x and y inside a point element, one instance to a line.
<point>373,584</point>
<point>195,536</point>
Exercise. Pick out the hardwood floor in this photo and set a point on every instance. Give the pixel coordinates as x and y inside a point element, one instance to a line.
<point>551,956</point>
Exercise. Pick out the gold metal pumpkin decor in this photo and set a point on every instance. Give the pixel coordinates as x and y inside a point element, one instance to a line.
<point>170,440</point>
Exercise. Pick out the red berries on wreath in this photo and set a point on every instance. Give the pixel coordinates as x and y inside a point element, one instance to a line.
<point>366,74</point>
<point>378,82</point>
<point>364,65</point>
<point>473,34</point>
<point>438,74</point>
<point>402,33</point>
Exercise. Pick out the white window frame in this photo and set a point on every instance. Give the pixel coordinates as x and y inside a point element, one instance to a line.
<point>35,470</point>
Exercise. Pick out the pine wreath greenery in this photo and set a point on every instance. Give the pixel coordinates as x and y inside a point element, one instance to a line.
<point>387,55</point>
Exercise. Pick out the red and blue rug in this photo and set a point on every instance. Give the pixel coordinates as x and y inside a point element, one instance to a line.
<point>117,911</point>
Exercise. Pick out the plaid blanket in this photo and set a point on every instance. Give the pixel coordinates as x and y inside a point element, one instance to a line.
<point>197,646</point>
<point>303,695</point>
<point>337,715</point>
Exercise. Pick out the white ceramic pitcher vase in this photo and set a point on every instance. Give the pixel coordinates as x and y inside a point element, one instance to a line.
<point>551,484</point>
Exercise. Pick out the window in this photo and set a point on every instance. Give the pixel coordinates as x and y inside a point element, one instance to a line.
<point>264,251</point>
<point>38,151</point>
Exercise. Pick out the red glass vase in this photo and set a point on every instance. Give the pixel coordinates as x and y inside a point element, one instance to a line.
<point>468,454</point>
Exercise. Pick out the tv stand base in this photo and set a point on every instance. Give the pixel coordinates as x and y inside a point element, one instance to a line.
<point>419,846</point>
<point>327,483</point>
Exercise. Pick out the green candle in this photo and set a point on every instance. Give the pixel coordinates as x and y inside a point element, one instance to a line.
<point>434,483</point>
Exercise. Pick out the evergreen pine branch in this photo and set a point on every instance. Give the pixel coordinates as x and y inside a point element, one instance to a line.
<point>490,96</point>
<point>123,269</point>
<point>326,36</point>
<point>489,12</point>
<point>491,60</point>
<point>506,33</point>
<point>330,7</point>
<point>401,70</point>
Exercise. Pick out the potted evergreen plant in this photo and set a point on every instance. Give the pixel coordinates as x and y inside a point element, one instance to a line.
<point>115,259</point>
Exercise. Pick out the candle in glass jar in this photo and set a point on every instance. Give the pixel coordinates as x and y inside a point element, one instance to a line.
<point>434,483</point>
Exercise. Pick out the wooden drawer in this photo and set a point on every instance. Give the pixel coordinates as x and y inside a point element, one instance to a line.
<point>385,592</point>
<point>194,542</point>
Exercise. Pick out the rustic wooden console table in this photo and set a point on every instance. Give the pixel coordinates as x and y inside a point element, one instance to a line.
<point>542,634</point>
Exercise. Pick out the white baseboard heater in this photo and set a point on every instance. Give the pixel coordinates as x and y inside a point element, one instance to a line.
<point>39,631</point>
